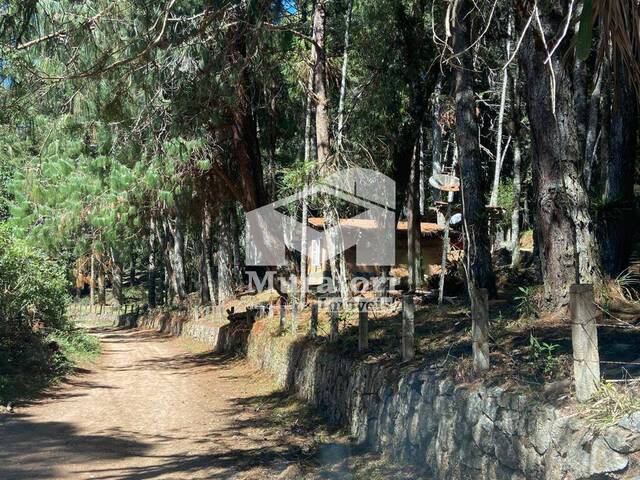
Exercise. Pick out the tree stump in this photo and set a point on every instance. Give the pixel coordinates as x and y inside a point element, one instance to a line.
<point>313,329</point>
<point>584,337</point>
<point>408,340</point>
<point>363,326</point>
<point>480,328</point>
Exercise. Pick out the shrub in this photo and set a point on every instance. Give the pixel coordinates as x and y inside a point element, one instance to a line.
<point>33,299</point>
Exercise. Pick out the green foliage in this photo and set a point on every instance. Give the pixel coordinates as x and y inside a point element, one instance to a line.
<point>33,299</point>
<point>526,302</point>
<point>543,356</point>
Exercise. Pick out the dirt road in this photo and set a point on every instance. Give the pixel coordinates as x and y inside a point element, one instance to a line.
<point>150,408</point>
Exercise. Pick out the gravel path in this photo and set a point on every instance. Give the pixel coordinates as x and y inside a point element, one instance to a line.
<point>152,407</point>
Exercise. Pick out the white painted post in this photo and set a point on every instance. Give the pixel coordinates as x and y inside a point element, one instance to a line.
<point>584,337</point>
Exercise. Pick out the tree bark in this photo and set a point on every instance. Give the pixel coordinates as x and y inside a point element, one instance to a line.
<point>178,257</point>
<point>477,250</point>
<point>567,245</point>
<point>591,135</point>
<point>206,229</point>
<point>92,285</point>
<point>343,80</point>
<point>617,224</point>
<point>515,215</point>
<point>224,256</point>
<point>436,143</point>
<point>151,274</point>
<point>413,223</point>
<point>116,279</point>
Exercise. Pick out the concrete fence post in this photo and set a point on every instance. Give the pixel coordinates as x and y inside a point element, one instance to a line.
<point>408,315</point>
<point>313,328</point>
<point>333,333</point>
<point>363,325</point>
<point>480,328</point>
<point>270,311</point>
<point>584,338</point>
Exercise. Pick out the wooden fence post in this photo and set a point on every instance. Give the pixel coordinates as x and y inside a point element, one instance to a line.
<point>313,328</point>
<point>282,313</point>
<point>333,333</point>
<point>584,337</point>
<point>480,328</point>
<point>363,325</point>
<point>294,318</point>
<point>270,312</point>
<point>408,341</point>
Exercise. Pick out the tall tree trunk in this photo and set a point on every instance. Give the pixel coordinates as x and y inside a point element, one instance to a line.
<point>568,249</point>
<point>493,201</point>
<point>320,88</point>
<point>413,223</point>
<point>617,224</point>
<point>436,143</point>
<point>211,282</point>
<point>323,145</point>
<point>476,246</point>
<point>102,288</point>
<point>591,135</point>
<point>224,256</point>
<point>151,274</point>
<point>132,270</point>
<point>343,80</point>
<point>169,252</point>
<point>515,215</point>
<point>305,203</point>
<point>178,257</point>
<point>92,285</point>
<point>116,279</point>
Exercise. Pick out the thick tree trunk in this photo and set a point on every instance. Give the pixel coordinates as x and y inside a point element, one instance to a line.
<point>413,224</point>
<point>567,245</point>
<point>224,256</point>
<point>617,225</point>
<point>476,246</point>
<point>244,127</point>
<point>178,257</point>
<point>323,145</point>
<point>151,274</point>
<point>116,279</point>
<point>206,231</point>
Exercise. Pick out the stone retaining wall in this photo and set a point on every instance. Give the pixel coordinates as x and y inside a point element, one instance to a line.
<point>415,415</point>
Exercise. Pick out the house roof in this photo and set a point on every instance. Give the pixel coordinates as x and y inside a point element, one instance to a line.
<point>426,228</point>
